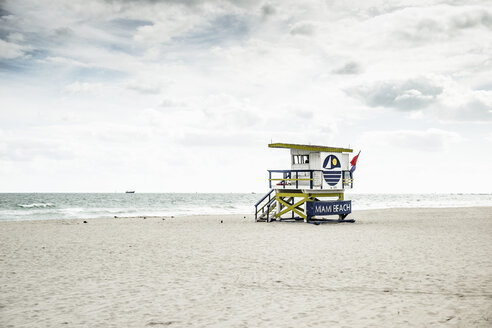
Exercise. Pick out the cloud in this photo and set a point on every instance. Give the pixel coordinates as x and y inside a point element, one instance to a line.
<point>405,95</point>
<point>440,22</point>
<point>173,2</point>
<point>430,140</point>
<point>472,18</point>
<point>350,67</point>
<point>128,24</point>
<point>64,32</point>
<point>10,50</point>
<point>177,74</point>
<point>66,61</point>
<point>224,111</point>
<point>3,11</point>
<point>267,10</point>
<point>181,24</point>
<point>467,106</point>
<point>15,37</point>
<point>171,103</point>
<point>159,32</point>
<point>83,87</point>
<point>189,3</point>
<point>149,87</point>
<point>116,134</point>
<point>443,98</point>
<point>218,139</point>
<point>24,149</point>
<point>302,28</point>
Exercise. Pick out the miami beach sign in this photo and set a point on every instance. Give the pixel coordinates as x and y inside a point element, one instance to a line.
<point>314,208</point>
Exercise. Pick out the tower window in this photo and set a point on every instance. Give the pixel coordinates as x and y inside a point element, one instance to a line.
<point>300,159</point>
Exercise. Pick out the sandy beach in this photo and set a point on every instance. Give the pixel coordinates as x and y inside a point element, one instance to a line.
<point>395,267</point>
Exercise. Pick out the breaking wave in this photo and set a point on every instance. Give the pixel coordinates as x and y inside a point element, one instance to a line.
<point>36,205</point>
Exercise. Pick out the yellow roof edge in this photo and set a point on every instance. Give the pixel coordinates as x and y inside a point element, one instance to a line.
<point>311,147</point>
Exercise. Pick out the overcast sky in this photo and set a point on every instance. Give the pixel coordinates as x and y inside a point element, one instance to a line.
<point>162,96</point>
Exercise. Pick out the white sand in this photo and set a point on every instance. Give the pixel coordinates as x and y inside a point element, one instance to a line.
<point>404,267</point>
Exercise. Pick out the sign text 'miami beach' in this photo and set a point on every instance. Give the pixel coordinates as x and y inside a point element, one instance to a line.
<point>328,207</point>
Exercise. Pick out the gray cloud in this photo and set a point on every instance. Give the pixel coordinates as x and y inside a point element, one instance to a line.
<point>472,18</point>
<point>449,23</point>
<point>383,10</point>
<point>474,110</point>
<point>221,29</point>
<point>267,10</point>
<point>189,3</point>
<point>64,32</point>
<point>3,11</point>
<point>131,24</point>
<point>178,2</point>
<point>350,67</point>
<point>10,50</point>
<point>302,28</point>
<point>144,88</point>
<point>406,95</point>
<point>448,104</point>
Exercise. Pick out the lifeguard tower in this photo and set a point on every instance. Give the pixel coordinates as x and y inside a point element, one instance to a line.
<point>312,189</point>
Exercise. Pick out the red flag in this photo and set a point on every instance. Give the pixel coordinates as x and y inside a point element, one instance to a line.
<point>354,160</point>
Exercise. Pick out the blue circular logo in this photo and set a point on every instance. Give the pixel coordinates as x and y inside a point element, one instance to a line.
<point>332,172</point>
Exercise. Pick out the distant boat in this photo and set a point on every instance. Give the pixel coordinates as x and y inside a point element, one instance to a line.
<point>130,192</point>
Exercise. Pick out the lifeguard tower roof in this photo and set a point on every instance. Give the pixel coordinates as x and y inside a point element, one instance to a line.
<point>311,147</point>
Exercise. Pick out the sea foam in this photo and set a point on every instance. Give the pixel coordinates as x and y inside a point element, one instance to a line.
<point>36,205</point>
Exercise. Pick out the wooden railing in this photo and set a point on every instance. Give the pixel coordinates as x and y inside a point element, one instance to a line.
<point>291,177</point>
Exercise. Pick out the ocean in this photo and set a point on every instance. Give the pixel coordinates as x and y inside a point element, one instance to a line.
<point>42,206</point>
